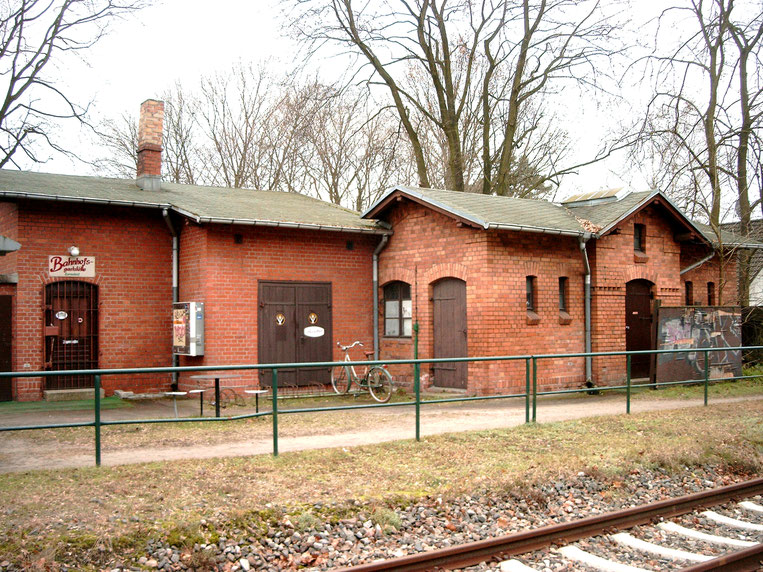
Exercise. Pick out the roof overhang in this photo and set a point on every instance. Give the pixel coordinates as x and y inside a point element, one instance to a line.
<point>8,245</point>
<point>84,200</point>
<point>192,216</point>
<point>396,194</point>
<point>657,197</point>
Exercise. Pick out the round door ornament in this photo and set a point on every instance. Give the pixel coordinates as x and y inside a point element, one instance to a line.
<point>280,319</point>
<point>312,317</point>
<point>61,315</point>
<point>80,320</point>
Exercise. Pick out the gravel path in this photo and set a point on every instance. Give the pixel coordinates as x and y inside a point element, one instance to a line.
<point>22,452</point>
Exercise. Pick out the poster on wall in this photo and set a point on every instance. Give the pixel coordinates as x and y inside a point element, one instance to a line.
<point>71,266</point>
<point>180,320</point>
<point>188,328</point>
<point>694,328</point>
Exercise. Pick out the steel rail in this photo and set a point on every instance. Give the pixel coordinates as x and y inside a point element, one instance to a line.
<point>746,560</point>
<point>528,541</point>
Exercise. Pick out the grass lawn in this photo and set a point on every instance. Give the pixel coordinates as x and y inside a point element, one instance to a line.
<point>75,510</point>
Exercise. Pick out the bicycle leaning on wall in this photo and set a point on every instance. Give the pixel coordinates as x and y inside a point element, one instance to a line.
<point>376,379</point>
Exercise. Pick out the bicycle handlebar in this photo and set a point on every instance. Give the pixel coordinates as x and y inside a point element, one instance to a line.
<point>345,348</point>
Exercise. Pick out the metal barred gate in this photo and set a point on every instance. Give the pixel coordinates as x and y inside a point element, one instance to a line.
<point>71,332</point>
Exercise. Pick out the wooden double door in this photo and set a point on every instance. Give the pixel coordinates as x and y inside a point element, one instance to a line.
<point>295,326</point>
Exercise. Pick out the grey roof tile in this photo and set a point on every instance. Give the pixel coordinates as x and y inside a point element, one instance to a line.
<point>497,212</point>
<point>204,204</point>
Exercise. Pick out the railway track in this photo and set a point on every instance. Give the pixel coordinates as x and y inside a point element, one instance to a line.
<point>736,555</point>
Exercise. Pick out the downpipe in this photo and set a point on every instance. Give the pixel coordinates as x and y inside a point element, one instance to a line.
<point>175,289</point>
<point>377,251</point>
<point>587,305</point>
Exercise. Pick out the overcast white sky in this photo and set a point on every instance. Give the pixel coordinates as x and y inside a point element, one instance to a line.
<point>184,39</point>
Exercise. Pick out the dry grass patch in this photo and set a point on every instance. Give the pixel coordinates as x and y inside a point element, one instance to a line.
<point>134,502</point>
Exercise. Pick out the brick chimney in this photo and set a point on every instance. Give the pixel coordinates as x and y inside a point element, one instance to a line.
<point>150,128</point>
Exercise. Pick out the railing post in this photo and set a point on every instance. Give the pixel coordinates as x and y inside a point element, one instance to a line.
<point>707,372</point>
<point>97,421</point>
<point>527,390</point>
<point>275,412</point>
<point>535,387</point>
<point>417,380</point>
<point>628,384</point>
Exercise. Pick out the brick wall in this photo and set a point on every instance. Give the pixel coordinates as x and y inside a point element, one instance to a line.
<point>614,264</point>
<point>225,276</point>
<point>132,248</point>
<point>428,246</point>
<point>724,277</point>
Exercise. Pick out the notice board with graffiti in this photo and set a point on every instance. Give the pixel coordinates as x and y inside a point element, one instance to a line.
<point>695,328</point>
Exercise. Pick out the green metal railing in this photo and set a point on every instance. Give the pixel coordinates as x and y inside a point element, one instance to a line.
<point>530,394</point>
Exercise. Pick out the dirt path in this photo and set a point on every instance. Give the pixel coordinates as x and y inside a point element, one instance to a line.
<point>25,451</point>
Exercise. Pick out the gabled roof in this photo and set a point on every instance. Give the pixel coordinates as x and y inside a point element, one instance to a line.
<point>200,203</point>
<point>487,211</point>
<point>533,215</point>
<point>606,216</point>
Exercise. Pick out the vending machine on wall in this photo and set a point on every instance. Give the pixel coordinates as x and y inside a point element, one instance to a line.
<point>188,328</point>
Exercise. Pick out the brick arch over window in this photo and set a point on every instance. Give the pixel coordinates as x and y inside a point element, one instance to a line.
<point>396,274</point>
<point>639,273</point>
<point>447,270</point>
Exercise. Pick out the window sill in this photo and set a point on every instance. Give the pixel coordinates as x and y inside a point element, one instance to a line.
<point>564,318</point>
<point>640,257</point>
<point>398,338</point>
<point>533,319</point>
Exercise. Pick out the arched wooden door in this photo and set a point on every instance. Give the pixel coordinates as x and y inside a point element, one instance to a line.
<point>71,332</point>
<point>450,336</point>
<point>638,324</point>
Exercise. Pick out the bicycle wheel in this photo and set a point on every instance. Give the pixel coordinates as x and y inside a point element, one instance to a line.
<point>380,384</point>
<point>339,380</point>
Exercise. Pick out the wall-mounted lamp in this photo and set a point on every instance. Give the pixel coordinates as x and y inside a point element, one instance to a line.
<point>73,251</point>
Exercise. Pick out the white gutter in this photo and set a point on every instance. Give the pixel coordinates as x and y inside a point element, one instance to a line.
<point>279,224</point>
<point>539,229</point>
<point>86,200</point>
<point>697,264</point>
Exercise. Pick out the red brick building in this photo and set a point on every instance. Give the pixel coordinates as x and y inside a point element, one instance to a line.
<point>249,256</point>
<point>93,266</point>
<point>498,276</point>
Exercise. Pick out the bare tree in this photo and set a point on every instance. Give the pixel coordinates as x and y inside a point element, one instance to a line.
<point>183,159</point>
<point>703,119</point>
<point>462,75</point>
<point>34,34</point>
